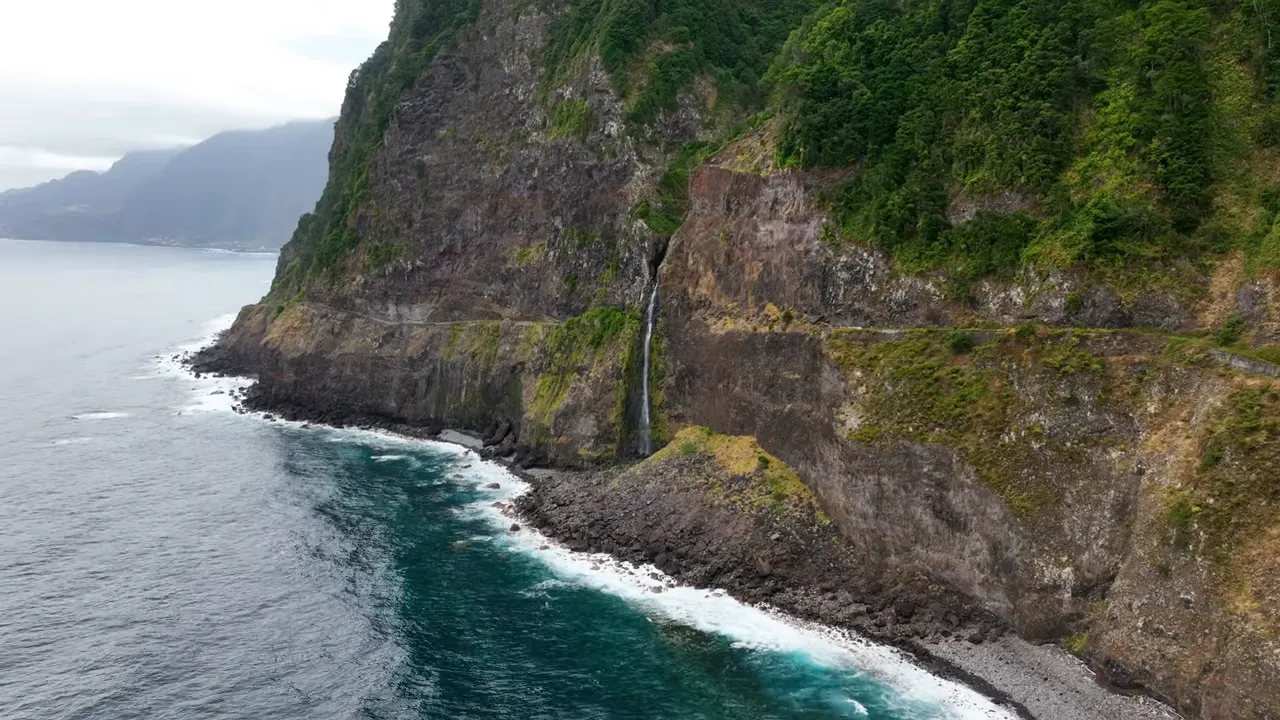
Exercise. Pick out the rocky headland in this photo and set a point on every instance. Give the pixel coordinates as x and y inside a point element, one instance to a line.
<point>994,382</point>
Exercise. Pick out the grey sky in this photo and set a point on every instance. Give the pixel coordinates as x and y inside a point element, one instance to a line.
<point>82,81</point>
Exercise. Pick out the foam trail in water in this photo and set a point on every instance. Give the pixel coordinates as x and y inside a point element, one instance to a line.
<point>100,416</point>
<point>408,461</point>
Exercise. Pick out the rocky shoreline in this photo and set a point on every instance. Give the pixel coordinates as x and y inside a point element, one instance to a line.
<point>766,559</point>
<point>786,563</point>
<point>758,560</point>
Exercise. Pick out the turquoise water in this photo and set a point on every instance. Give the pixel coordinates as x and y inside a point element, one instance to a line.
<point>162,557</point>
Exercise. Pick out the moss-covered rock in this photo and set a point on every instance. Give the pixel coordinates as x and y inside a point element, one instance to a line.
<point>756,479</point>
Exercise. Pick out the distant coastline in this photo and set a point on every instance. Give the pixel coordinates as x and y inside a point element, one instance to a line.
<point>144,244</point>
<point>239,190</point>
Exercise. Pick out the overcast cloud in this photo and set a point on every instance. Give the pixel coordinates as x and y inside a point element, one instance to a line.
<point>84,81</point>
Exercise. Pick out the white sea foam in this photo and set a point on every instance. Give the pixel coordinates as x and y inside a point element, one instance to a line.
<point>408,461</point>
<point>209,393</point>
<point>652,591</point>
<point>72,441</point>
<point>543,589</point>
<point>549,584</point>
<point>756,628</point>
<point>100,416</point>
<point>219,395</point>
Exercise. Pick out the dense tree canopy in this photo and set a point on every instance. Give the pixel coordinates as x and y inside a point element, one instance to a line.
<point>1112,122</point>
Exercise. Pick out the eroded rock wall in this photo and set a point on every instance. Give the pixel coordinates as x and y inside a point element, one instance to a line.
<point>559,387</point>
<point>1038,471</point>
<point>492,201</point>
<point>495,202</point>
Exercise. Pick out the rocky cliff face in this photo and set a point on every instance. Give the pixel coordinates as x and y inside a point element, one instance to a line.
<point>487,204</point>
<point>489,221</point>
<point>1045,472</point>
<point>1062,447</point>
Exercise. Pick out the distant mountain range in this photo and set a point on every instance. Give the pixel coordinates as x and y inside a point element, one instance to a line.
<point>241,190</point>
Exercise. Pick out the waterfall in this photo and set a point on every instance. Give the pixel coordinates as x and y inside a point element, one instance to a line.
<point>646,432</point>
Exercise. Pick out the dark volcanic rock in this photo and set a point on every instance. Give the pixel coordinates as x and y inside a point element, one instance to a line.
<point>904,609</point>
<point>498,434</point>
<point>656,510</point>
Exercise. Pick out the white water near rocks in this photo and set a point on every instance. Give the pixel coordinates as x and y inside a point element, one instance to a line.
<point>646,432</point>
<point>914,691</point>
<point>189,561</point>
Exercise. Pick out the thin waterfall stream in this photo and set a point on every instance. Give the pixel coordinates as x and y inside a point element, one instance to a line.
<point>646,432</point>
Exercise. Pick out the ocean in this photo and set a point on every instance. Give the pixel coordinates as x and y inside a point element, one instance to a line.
<point>164,557</point>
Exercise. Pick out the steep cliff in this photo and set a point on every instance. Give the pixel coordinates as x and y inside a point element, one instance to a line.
<point>1076,481</point>
<point>976,272</point>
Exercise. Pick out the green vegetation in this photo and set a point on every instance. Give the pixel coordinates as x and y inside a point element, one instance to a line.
<point>960,342</point>
<point>1077,643</point>
<point>1179,516</point>
<point>986,133</point>
<point>762,480</point>
<point>1233,336</point>
<point>673,189</point>
<point>938,386</point>
<point>1103,131</point>
<point>576,345</point>
<point>1230,332</point>
<point>718,50</point>
<point>654,51</point>
<point>525,255</point>
<point>571,118</point>
<point>1067,358</point>
<point>581,238</point>
<point>1235,485</point>
<point>477,340</point>
<point>380,256</point>
<point>1266,353</point>
<point>569,286</point>
<point>929,396</point>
